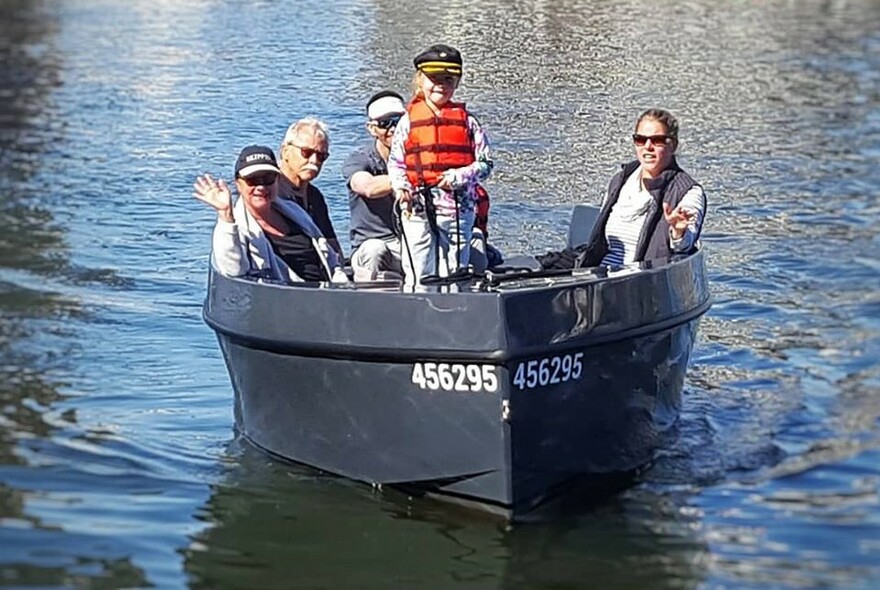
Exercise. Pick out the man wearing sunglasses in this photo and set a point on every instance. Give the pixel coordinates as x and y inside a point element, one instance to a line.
<point>375,246</point>
<point>303,152</point>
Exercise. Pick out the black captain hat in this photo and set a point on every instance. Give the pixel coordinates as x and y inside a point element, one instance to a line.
<point>439,59</point>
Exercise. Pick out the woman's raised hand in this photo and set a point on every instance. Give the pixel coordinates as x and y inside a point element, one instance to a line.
<point>216,194</point>
<point>678,219</point>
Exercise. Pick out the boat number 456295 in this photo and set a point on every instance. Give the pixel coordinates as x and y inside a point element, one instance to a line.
<point>475,378</point>
<point>455,377</point>
<point>549,371</point>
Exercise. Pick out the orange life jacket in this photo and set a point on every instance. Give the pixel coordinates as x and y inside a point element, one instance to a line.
<point>436,142</point>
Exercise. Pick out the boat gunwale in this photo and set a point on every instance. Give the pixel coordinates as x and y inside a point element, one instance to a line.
<point>355,352</point>
<point>497,351</point>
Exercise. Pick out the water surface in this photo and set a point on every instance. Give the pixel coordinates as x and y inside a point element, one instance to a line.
<point>118,462</point>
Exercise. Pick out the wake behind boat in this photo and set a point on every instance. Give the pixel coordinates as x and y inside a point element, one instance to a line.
<point>497,391</point>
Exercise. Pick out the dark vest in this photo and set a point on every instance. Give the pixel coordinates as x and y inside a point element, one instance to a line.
<point>670,187</point>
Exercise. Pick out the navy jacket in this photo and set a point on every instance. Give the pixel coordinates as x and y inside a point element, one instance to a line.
<point>670,187</point>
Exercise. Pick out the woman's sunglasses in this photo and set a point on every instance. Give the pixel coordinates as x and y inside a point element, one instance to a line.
<point>389,123</point>
<point>641,140</point>
<point>261,179</point>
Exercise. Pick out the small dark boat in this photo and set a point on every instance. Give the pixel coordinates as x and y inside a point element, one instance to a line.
<point>498,391</point>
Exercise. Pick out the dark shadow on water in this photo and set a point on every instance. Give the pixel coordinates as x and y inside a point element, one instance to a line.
<point>114,573</point>
<point>30,317</point>
<point>274,525</point>
<point>32,179</point>
<point>34,552</point>
<point>35,345</point>
<point>37,324</point>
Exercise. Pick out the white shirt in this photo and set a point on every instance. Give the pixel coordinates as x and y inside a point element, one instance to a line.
<point>630,213</point>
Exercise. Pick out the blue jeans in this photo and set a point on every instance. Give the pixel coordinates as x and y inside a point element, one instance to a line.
<point>453,240</point>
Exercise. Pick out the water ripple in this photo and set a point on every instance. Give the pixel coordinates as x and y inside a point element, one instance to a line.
<point>110,384</point>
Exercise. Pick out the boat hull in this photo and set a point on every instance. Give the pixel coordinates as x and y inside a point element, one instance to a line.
<point>498,398</point>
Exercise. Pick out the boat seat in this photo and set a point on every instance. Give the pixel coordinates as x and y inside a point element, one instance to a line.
<point>582,219</point>
<point>519,262</point>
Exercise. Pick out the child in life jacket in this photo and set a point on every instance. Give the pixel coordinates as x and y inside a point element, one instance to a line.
<point>439,154</point>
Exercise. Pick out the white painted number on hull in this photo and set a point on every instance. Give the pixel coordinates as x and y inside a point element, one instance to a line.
<point>549,371</point>
<point>455,377</point>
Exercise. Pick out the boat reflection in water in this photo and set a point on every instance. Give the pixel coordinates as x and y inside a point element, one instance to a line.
<point>500,393</point>
<point>274,525</point>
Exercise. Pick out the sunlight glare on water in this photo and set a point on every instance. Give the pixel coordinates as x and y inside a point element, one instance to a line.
<point>119,466</point>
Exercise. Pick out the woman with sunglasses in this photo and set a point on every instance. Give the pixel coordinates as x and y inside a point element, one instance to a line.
<point>439,153</point>
<point>261,236</point>
<point>653,209</point>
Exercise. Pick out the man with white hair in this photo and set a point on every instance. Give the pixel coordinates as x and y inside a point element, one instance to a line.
<point>375,246</point>
<point>305,147</point>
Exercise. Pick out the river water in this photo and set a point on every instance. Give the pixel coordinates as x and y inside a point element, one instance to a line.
<point>119,466</point>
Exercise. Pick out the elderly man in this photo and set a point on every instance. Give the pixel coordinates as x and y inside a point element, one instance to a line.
<point>375,247</point>
<point>305,147</point>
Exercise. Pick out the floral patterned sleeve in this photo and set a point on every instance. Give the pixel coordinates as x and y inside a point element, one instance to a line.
<point>396,158</point>
<point>483,164</point>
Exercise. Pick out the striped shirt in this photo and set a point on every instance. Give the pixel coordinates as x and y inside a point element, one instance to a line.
<point>630,213</point>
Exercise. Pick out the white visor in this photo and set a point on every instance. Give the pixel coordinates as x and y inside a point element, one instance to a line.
<point>387,106</point>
